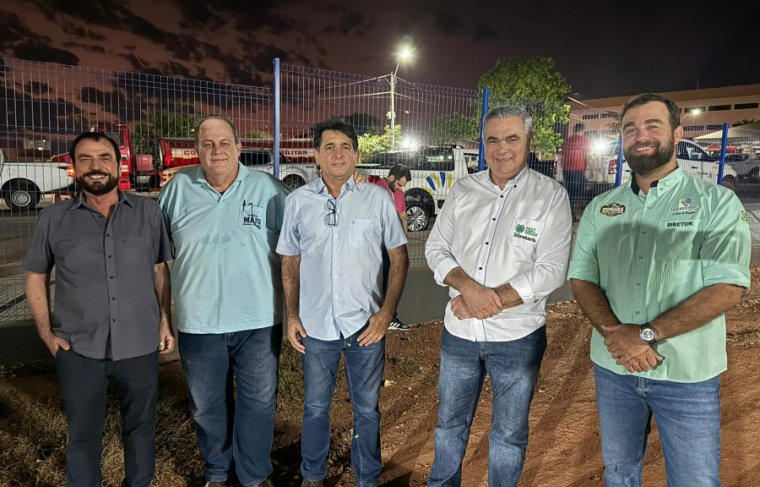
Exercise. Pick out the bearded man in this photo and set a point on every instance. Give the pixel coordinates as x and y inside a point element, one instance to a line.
<point>656,264</point>
<point>112,309</point>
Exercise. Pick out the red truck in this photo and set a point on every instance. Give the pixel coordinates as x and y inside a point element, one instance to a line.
<point>140,172</point>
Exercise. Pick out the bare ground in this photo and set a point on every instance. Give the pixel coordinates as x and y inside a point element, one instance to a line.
<point>564,448</point>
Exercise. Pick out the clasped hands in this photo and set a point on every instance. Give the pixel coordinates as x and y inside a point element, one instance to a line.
<point>476,301</point>
<point>627,348</point>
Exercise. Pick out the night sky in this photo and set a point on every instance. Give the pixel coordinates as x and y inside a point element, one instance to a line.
<point>602,48</point>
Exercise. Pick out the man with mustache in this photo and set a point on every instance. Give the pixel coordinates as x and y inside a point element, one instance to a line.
<point>112,311</point>
<point>224,220</point>
<point>656,264</point>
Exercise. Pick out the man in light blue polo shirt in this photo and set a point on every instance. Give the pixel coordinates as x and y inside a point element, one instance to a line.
<point>656,264</point>
<point>332,270</point>
<point>224,220</point>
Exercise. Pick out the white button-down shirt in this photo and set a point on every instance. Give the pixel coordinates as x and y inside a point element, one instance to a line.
<point>519,235</point>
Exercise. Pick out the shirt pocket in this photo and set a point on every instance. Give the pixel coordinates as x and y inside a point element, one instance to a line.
<point>361,233</point>
<point>524,235</point>
<point>251,218</point>
<point>679,241</point>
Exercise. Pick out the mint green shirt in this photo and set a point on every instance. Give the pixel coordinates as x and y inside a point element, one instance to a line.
<point>226,273</point>
<point>649,252</point>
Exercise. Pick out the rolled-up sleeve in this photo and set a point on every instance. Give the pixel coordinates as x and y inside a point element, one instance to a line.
<point>727,247</point>
<point>584,264</point>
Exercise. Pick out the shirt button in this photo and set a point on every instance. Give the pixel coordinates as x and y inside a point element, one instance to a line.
<point>110,277</point>
<point>486,243</point>
<point>109,256</point>
<point>480,268</point>
<point>643,232</point>
<point>638,284</point>
<point>494,219</point>
<point>113,299</point>
<point>641,257</point>
<point>113,320</point>
<point>501,196</point>
<point>637,312</point>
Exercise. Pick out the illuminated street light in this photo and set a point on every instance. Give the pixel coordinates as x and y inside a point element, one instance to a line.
<point>404,54</point>
<point>695,111</point>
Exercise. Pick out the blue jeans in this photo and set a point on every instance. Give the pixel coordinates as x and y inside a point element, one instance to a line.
<point>688,419</point>
<point>364,373</point>
<point>513,367</point>
<point>84,382</point>
<point>233,433</point>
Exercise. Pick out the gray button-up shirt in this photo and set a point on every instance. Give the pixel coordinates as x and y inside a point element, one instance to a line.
<point>340,242</point>
<point>106,304</point>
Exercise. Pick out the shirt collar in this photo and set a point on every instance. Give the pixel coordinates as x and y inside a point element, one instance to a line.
<point>125,198</point>
<point>349,185</point>
<point>200,177</point>
<point>512,183</point>
<point>671,180</point>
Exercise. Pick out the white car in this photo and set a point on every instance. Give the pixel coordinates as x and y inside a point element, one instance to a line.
<point>434,170</point>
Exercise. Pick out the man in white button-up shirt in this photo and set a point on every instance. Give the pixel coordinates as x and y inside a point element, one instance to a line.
<point>501,244</point>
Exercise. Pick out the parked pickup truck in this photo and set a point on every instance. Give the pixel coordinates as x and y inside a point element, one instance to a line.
<point>23,183</point>
<point>434,170</point>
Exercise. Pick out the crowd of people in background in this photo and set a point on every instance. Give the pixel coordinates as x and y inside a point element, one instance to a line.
<point>656,263</point>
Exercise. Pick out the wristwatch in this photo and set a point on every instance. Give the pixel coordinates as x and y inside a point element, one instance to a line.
<point>647,334</point>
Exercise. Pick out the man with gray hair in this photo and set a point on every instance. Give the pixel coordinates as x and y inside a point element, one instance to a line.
<point>224,220</point>
<point>501,244</point>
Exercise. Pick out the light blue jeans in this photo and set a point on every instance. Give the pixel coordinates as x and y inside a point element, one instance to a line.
<point>688,420</point>
<point>364,373</point>
<point>513,367</point>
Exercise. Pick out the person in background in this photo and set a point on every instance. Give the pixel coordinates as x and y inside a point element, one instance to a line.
<point>398,176</point>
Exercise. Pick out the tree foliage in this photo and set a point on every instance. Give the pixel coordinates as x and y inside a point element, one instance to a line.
<point>159,123</point>
<point>373,143</point>
<point>363,123</point>
<point>531,84</point>
<point>449,129</point>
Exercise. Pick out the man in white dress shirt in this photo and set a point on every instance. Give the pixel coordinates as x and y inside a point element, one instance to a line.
<point>501,244</point>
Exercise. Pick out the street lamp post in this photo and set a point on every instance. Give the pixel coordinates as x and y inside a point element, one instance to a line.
<point>404,54</point>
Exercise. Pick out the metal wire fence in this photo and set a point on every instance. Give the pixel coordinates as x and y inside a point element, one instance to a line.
<point>434,130</point>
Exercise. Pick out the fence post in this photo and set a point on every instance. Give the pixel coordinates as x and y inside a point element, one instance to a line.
<point>722,161</point>
<point>483,111</point>
<point>619,173</point>
<point>276,124</point>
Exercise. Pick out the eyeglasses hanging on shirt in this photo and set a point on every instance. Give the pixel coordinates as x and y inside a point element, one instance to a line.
<point>331,219</point>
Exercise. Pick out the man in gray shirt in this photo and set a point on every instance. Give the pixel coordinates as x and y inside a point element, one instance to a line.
<point>112,313</point>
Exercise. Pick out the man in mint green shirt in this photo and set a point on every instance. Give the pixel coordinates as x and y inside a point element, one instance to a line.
<point>224,221</point>
<point>656,264</point>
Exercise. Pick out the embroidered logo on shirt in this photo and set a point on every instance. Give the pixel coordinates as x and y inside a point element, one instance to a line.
<point>680,224</point>
<point>743,216</point>
<point>250,215</point>
<point>685,207</point>
<point>613,209</point>
<point>526,232</point>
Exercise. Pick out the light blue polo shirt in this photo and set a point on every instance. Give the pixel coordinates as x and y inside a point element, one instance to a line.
<point>341,265</point>
<point>226,273</point>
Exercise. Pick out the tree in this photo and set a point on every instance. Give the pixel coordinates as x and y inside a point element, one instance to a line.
<point>372,144</point>
<point>363,123</point>
<point>531,84</point>
<point>159,123</point>
<point>449,129</point>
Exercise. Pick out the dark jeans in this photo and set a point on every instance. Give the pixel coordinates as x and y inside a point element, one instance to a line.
<point>84,382</point>
<point>233,432</point>
<point>364,374</point>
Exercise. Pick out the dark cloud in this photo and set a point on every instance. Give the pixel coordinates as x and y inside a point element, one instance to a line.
<point>351,23</point>
<point>111,102</point>
<point>86,47</point>
<point>73,29</point>
<point>18,40</point>
<point>22,111</point>
<point>482,32</point>
<point>37,87</point>
<point>37,51</point>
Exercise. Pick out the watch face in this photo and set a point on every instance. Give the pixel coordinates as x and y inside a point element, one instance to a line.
<point>647,334</point>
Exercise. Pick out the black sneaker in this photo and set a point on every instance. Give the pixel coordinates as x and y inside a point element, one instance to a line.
<point>397,324</point>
